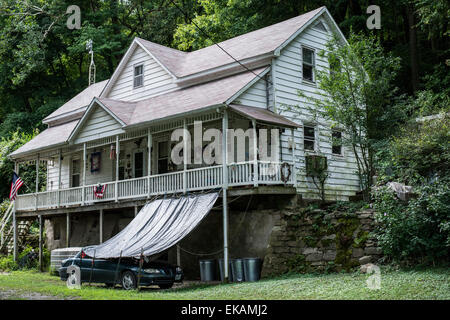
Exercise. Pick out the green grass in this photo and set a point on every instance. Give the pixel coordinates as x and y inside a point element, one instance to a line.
<point>412,284</point>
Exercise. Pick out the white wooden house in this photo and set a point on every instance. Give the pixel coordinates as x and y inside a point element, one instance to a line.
<point>156,89</point>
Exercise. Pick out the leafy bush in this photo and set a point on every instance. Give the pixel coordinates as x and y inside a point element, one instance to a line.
<point>417,231</point>
<point>8,264</point>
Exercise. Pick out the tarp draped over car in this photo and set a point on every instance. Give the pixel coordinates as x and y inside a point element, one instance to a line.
<point>159,225</point>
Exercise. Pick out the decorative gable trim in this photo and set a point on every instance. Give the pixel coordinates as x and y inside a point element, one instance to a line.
<point>123,63</point>
<point>90,110</point>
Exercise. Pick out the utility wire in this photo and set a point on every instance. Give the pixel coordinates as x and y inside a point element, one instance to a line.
<point>215,43</point>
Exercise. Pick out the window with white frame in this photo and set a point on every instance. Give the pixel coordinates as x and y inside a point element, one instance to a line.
<point>308,64</point>
<point>336,137</point>
<point>309,138</point>
<point>138,76</point>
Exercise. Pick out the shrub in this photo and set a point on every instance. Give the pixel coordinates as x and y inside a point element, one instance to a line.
<point>8,264</point>
<point>417,231</point>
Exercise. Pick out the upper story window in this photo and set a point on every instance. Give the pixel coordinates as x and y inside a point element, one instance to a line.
<point>138,76</point>
<point>336,137</point>
<point>309,138</point>
<point>308,64</point>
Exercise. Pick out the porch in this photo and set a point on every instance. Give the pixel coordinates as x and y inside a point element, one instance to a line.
<point>243,174</point>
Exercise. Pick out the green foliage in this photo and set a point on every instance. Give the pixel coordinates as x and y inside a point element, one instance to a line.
<point>422,150</point>
<point>417,231</point>
<point>8,264</point>
<point>8,145</point>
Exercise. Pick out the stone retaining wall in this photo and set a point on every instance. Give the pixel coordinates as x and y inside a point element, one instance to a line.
<point>307,240</point>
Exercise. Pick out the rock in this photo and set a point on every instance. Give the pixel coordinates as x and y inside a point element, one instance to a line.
<point>329,255</point>
<point>357,253</point>
<point>329,237</point>
<point>373,250</point>
<point>365,260</point>
<point>314,257</point>
<point>307,251</point>
<point>365,267</point>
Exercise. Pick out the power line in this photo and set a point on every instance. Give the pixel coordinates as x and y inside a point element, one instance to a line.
<point>215,43</point>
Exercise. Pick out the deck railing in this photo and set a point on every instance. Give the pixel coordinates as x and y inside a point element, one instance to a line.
<point>239,174</point>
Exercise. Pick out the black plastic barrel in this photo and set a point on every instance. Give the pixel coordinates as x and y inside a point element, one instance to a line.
<point>252,269</point>
<point>237,269</point>
<point>230,274</point>
<point>207,270</point>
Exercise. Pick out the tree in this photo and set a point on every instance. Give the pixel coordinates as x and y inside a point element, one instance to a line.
<point>358,95</point>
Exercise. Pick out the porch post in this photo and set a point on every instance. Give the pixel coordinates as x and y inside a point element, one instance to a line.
<point>67,229</point>
<point>59,177</point>
<point>15,249</point>
<point>41,261</point>
<point>224,196</point>
<point>37,180</point>
<point>294,177</point>
<point>116,186</point>
<point>255,155</point>
<point>185,154</point>
<point>101,225</point>
<point>149,160</point>
<point>135,210</point>
<point>84,173</point>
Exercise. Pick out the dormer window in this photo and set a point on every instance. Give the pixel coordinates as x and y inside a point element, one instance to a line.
<point>308,64</point>
<point>138,76</point>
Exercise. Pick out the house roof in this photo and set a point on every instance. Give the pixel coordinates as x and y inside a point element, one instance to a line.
<point>50,137</point>
<point>248,45</point>
<point>179,102</point>
<point>80,101</point>
<point>263,115</point>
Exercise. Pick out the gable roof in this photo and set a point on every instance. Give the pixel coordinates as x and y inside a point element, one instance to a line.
<point>252,44</point>
<point>79,102</point>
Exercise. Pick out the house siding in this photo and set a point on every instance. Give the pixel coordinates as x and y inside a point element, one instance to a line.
<point>156,79</point>
<point>255,96</point>
<point>99,124</point>
<point>342,181</point>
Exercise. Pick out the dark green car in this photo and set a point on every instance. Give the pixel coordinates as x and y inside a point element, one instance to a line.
<point>126,273</point>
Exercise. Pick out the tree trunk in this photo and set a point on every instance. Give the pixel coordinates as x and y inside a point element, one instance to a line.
<point>412,31</point>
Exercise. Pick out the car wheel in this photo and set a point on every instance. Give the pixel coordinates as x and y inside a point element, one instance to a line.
<point>165,286</point>
<point>128,280</point>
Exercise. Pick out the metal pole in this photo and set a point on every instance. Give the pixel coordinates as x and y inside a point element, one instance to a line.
<point>135,210</point>
<point>255,155</point>
<point>224,195</point>
<point>67,229</point>
<point>101,225</point>
<point>178,255</point>
<point>41,260</point>
<point>141,261</point>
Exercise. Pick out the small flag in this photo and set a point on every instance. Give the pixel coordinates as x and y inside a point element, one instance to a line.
<point>99,191</point>
<point>15,185</point>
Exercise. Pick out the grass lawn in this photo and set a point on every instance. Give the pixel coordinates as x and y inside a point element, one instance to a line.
<point>411,284</point>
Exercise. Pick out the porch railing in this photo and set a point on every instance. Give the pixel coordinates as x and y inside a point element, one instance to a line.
<point>239,174</point>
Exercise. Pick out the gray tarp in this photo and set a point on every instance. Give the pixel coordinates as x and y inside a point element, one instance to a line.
<point>159,225</point>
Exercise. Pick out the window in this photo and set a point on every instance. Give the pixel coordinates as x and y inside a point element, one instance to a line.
<point>308,64</point>
<point>309,137</point>
<point>138,76</point>
<point>138,164</point>
<point>336,142</point>
<point>76,169</point>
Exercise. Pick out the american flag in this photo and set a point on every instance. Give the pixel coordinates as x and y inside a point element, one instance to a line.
<point>15,185</point>
<point>99,191</point>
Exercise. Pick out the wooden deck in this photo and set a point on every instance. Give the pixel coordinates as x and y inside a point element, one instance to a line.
<point>141,189</point>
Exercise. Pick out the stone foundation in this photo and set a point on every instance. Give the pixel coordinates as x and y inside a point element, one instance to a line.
<point>308,240</point>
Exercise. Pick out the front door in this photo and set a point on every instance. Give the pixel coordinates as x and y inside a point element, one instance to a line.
<point>138,164</point>
<point>163,157</point>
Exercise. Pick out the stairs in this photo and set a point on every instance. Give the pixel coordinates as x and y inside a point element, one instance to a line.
<point>7,232</point>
